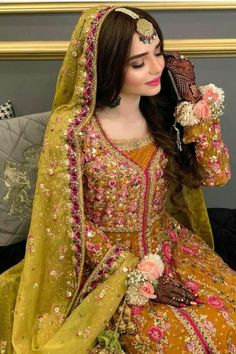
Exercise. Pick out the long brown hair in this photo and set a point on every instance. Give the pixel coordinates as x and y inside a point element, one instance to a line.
<point>113,48</point>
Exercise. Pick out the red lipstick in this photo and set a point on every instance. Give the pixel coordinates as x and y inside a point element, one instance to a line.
<point>154,82</point>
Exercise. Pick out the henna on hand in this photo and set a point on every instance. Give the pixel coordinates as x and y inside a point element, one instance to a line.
<point>182,71</point>
<point>172,292</point>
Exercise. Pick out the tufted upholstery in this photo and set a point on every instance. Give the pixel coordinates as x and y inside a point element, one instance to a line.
<point>20,143</point>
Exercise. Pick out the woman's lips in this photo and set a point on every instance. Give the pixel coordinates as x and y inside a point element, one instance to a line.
<point>154,82</point>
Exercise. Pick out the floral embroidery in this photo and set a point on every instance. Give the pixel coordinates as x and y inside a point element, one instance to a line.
<point>215,302</point>
<point>18,182</point>
<point>155,333</point>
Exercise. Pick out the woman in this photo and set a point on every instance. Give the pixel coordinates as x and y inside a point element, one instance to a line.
<point>107,269</point>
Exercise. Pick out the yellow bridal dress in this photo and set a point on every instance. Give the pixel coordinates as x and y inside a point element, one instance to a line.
<point>99,207</point>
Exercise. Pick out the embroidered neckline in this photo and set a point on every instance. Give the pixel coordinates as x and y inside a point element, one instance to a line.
<point>135,143</point>
<point>116,148</point>
<point>127,144</point>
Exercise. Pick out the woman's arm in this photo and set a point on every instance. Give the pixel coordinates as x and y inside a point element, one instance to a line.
<point>211,152</point>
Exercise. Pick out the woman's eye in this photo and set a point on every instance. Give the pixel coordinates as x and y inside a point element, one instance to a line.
<point>136,66</point>
<point>159,54</point>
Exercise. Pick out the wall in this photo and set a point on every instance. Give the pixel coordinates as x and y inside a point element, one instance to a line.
<point>30,84</point>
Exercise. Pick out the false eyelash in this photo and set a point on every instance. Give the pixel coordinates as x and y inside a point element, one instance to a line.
<point>140,65</point>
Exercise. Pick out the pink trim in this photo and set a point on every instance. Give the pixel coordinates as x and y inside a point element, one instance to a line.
<point>144,244</point>
<point>73,166</point>
<point>196,330</point>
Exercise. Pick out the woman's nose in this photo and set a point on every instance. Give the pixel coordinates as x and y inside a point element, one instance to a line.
<point>157,65</point>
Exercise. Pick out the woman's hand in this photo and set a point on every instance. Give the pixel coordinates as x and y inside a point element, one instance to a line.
<point>172,292</point>
<point>182,71</point>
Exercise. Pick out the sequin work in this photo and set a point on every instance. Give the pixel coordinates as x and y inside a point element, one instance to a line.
<point>125,194</point>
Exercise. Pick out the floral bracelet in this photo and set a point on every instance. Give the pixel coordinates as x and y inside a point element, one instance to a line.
<point>143,281</point>
<point>209,106</point>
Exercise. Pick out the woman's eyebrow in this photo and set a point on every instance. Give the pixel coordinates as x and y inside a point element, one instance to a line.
<point>142,54</point>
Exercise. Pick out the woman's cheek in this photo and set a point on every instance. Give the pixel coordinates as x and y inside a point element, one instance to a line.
<point>134,78</point>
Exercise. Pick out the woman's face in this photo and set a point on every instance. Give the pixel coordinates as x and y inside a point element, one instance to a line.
<point>145,64</point>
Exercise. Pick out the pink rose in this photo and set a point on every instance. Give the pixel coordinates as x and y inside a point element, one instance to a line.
<point>166,249</point>
<point>215,302</point>
<point>147,290</point>
<point>155,333</point>
<point>92,247</point>
<point>150,268</point>
<point>210,95</point>
<point>202,110</point>
<point>193,286</point>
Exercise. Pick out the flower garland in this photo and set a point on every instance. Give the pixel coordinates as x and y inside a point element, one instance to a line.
<point>143,281</point>
<point>209,106</point>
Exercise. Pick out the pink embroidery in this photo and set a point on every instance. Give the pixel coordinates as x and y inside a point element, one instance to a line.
<point>189,250</point>
<point>136,310</point>
<point>155,333</point>
<point>196,330</point>
<point>193,286</point>
<point>215,302</point>
<point>166,249</point>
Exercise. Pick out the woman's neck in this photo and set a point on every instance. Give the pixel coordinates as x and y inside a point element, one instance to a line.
<point>128,107</point>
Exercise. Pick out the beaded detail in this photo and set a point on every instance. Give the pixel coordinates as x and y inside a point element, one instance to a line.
<point>135,143</point>
<point>120,195</point>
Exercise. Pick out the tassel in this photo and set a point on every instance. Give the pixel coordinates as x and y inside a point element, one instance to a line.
<point>178,140</point>
<point>110,340</point>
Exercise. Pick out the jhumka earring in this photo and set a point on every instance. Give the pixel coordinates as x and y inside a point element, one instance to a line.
<point>144,27</point>
<point>115,102</point>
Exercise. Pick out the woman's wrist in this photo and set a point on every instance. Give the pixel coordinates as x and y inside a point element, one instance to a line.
<point>209,107</point>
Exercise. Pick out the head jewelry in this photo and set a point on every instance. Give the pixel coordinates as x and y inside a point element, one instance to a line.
<point>143,27</point>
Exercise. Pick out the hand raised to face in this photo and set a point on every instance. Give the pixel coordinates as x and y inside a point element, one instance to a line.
<point>182,71</point>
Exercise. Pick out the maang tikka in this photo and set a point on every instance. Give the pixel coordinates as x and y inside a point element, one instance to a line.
<point>144,27</point>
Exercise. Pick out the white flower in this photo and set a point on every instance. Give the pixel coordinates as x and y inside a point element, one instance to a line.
<point>133,297</point>
<point>184,114</point>
<point>212,97</point>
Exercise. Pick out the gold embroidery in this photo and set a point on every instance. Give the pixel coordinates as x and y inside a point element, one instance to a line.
<point>17,181</point>
<point>207,286</point>
<point>199,348</point>
<point>203,331</point>
<point>133,143</point>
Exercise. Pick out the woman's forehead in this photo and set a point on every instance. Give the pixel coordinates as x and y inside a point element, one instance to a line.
<point>138,47</point>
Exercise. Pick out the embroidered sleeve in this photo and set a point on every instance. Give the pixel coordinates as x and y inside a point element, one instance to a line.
<point>211,152</point>
<point>97,243</point>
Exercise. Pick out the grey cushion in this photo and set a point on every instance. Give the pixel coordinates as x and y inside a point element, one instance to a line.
<point>20,143</point>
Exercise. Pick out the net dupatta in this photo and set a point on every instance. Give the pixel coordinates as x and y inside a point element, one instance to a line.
<point>55,250</point>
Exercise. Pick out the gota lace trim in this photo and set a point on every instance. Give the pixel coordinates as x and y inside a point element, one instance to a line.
<point>133,143</point>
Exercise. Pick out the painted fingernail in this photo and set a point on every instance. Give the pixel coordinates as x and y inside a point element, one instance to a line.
<point>182,305</point>
<point>193,302</point>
